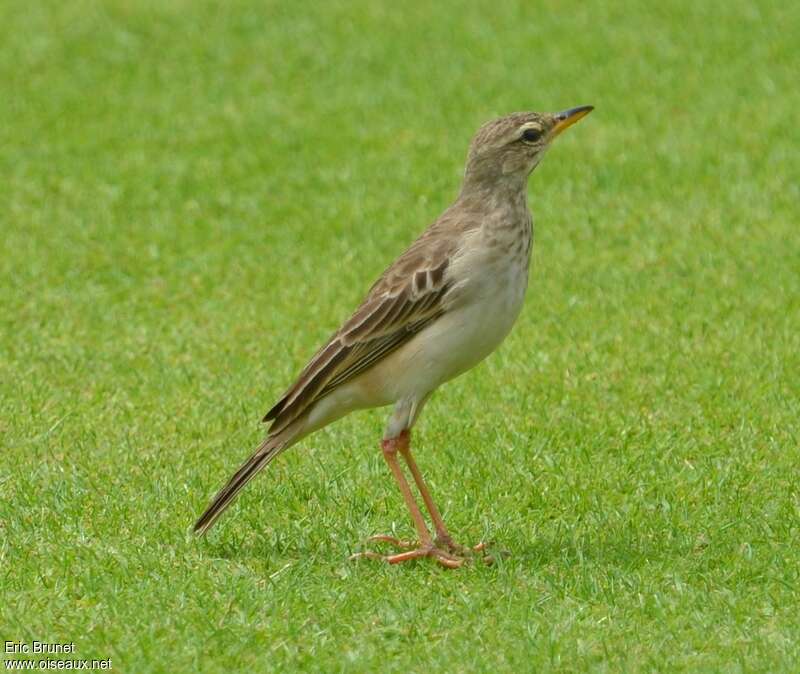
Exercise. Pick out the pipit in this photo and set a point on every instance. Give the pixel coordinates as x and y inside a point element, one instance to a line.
<point>438,310</point>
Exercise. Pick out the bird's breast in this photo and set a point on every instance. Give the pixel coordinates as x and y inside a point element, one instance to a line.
<point>489,283</point>
<point>491,268</point>
<point>488,277</point>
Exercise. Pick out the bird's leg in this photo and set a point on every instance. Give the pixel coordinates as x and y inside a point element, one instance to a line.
<point>443,538</point>
<point>390,448</point>
<point>426,548</point>
<point>442,535</point>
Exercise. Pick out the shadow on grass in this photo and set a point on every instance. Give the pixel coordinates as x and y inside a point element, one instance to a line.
<point>599,549</point>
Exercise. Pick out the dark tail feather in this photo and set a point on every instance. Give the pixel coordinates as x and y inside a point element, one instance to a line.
<point>267,451</point>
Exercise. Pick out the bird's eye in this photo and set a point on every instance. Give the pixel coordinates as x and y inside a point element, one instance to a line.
<point>531,135</point>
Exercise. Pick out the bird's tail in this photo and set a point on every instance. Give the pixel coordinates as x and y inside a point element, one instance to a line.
<point>267,450</point>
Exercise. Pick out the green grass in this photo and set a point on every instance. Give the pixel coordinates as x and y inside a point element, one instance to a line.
<point>193,195</point>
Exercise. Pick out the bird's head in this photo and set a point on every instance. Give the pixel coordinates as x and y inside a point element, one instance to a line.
<point>513,145</point>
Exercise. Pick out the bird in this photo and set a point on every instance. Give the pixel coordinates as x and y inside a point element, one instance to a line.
<point>438,310</point>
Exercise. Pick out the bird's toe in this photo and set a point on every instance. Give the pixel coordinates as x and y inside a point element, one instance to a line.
<point>391,540</point>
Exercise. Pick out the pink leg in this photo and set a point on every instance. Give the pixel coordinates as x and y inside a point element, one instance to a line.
<point>426,546</point>
<point>438,522</point>
<point>390,448</point>
<point>443,537</point>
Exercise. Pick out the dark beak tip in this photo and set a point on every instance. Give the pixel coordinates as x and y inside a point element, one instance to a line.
<point>579,110</point>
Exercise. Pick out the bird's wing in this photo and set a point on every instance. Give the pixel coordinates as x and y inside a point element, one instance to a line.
<point>406,298</point>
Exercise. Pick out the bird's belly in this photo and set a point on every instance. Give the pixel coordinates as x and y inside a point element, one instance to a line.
<point>454,343</point>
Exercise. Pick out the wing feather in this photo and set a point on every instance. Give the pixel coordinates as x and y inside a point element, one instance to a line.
<point>404,300</point>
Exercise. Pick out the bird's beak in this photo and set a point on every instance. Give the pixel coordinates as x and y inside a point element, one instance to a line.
<point>567,118</point>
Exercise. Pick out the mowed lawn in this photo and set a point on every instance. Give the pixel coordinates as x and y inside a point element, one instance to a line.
<point>193,195</point>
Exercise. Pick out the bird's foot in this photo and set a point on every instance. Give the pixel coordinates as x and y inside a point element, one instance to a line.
<point>391,540</point>
<point>441,556</point>
<point>443,550</point>
<point>447,543</point>
<point>457,549</point>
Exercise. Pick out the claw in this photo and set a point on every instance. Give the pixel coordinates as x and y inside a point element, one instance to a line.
<point>391,540</point>
<point>438,554</point>
<point>462,550</point>
<point>441,556</point>
<point>447,553</point>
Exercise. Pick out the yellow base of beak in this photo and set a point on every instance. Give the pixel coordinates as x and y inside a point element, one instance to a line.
<point>567,118</point>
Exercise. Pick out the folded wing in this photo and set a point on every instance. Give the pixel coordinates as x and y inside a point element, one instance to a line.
<point>401,303</point>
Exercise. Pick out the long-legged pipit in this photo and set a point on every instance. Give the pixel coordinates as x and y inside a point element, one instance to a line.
<point>441,307</point>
